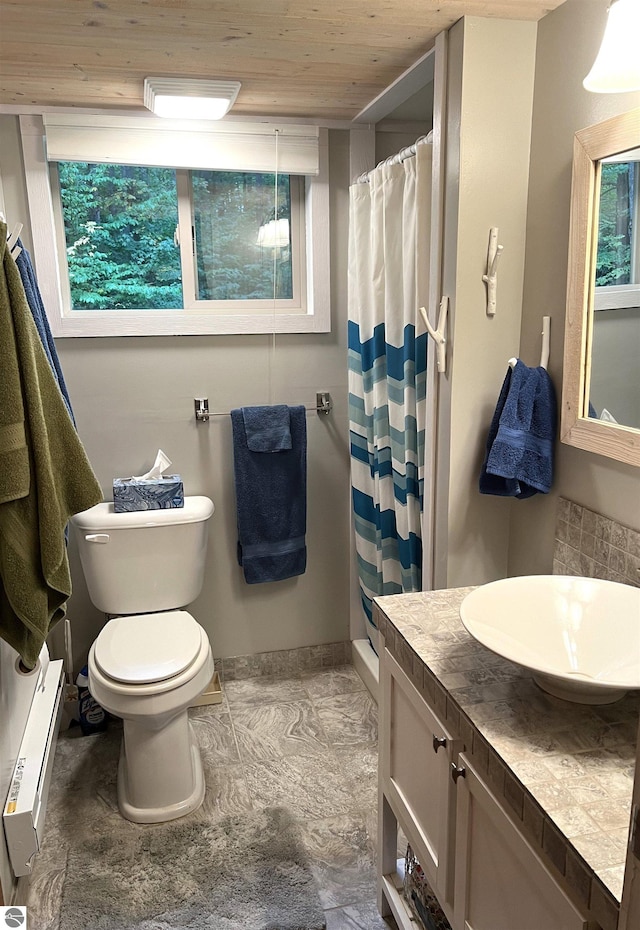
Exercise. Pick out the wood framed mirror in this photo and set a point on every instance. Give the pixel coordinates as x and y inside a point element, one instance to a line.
<point>601,379</point>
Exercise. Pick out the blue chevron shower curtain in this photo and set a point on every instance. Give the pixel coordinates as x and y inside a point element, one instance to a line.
<point>389,224</point>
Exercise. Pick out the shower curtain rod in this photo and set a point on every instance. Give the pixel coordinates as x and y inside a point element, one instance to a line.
<point>398,158</point>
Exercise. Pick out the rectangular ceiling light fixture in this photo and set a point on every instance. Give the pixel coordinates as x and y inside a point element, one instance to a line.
<point>186,98</point>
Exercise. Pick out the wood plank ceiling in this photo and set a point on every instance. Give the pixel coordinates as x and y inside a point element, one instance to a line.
<point>322,59</point>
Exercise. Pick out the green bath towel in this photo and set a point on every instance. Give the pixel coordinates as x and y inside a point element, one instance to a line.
<point>45,476</point>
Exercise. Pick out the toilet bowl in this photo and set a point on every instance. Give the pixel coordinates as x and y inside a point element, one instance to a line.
<point>152,659</point>
<point>147,670</point>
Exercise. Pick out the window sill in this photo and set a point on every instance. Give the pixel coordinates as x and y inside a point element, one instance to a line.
<point>185,323</point>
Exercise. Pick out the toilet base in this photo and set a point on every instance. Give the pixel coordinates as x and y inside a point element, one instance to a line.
<point>170,811</point>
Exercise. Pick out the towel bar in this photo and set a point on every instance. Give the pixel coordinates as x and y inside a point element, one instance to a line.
<point>324,404</point>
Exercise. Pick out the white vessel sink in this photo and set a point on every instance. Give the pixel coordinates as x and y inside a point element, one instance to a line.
<point>580,637</point>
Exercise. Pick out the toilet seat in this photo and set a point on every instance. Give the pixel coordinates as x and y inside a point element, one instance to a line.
<point>148,648</point>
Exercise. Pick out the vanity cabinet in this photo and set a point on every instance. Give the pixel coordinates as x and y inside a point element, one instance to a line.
<point>416,750</point>
<point>500,882</point>
<point>483,871</point>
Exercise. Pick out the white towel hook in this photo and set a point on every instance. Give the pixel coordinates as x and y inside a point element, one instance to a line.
<point>14,249</point>
<point>491,277</point>
<point>544,354</point>
<point>546,331</point>
<point>438,335</point>
<point>13,238</point>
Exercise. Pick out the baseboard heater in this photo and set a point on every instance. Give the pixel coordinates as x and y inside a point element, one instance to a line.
<point>26,803</point>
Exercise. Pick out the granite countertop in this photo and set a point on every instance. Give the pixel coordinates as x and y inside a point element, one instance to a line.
<point>566,770</point>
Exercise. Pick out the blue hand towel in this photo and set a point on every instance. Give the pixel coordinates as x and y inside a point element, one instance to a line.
<point>34,299</point>
<point>519,457</point>
<point>267,428</point>
<point>271,491</point>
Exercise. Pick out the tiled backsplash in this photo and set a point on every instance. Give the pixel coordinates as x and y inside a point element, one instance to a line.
<point>595,546</point>
<point>284,662</point>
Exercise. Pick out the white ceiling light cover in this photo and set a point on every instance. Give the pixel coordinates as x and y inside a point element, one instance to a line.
<point>184,98</point>
<point>617,66</point>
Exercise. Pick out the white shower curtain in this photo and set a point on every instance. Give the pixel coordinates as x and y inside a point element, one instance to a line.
<point>389,231</point>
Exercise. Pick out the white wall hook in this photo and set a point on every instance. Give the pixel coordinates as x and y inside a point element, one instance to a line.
<point>438,335</point>
<point>12,241</point>
<point>491,277</point>
<point>13,238</point>
<point>546,332</point>
<point>544,354</point>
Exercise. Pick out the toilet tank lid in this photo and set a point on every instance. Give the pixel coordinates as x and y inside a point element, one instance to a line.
<point>103,516</point>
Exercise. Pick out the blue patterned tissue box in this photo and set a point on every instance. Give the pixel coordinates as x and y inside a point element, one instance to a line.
<point>149,494</point>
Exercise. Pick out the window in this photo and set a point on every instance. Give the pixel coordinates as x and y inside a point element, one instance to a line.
<point>242,242</point>
<point>119,223</point>
<point>617,277</point>
<point>129,231</point>
<point>141,248</point>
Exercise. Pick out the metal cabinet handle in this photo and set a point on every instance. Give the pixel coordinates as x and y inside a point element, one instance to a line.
<point>457,771</point>
<point>438,741</point>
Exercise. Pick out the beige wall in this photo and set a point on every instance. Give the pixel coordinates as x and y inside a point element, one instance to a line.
<point>568,40</point>
<point>489,103</point>
<point>134,395</point>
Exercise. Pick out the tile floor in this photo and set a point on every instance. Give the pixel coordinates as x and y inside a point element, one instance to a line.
<point>309,742</point>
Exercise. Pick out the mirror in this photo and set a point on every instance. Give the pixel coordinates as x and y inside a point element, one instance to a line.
<point>601,381</point>
<point>613,388</point>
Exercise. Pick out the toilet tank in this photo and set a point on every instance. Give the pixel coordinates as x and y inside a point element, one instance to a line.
<point>143,562</point>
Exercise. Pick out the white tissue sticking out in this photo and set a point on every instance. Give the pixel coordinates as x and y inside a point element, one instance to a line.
<point>160,465</point>
<point>607,417</point>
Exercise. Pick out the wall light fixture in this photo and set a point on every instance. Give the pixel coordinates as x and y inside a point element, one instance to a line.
<point>617,65</point>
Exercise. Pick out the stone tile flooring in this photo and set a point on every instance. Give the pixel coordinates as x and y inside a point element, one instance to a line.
<point>308,742</point>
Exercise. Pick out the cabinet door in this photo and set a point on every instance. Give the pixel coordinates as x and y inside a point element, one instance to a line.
<point>415,754</point>
<point>500,881</point>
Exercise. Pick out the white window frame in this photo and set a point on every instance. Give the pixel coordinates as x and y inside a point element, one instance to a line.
<point>616,297</point>
<point>316,317</point>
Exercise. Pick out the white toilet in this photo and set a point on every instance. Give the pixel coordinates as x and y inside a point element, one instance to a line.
<point>152,659</point>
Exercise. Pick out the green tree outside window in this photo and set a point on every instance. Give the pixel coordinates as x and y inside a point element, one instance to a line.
<point>613,262</point>
<point>119,225</point>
